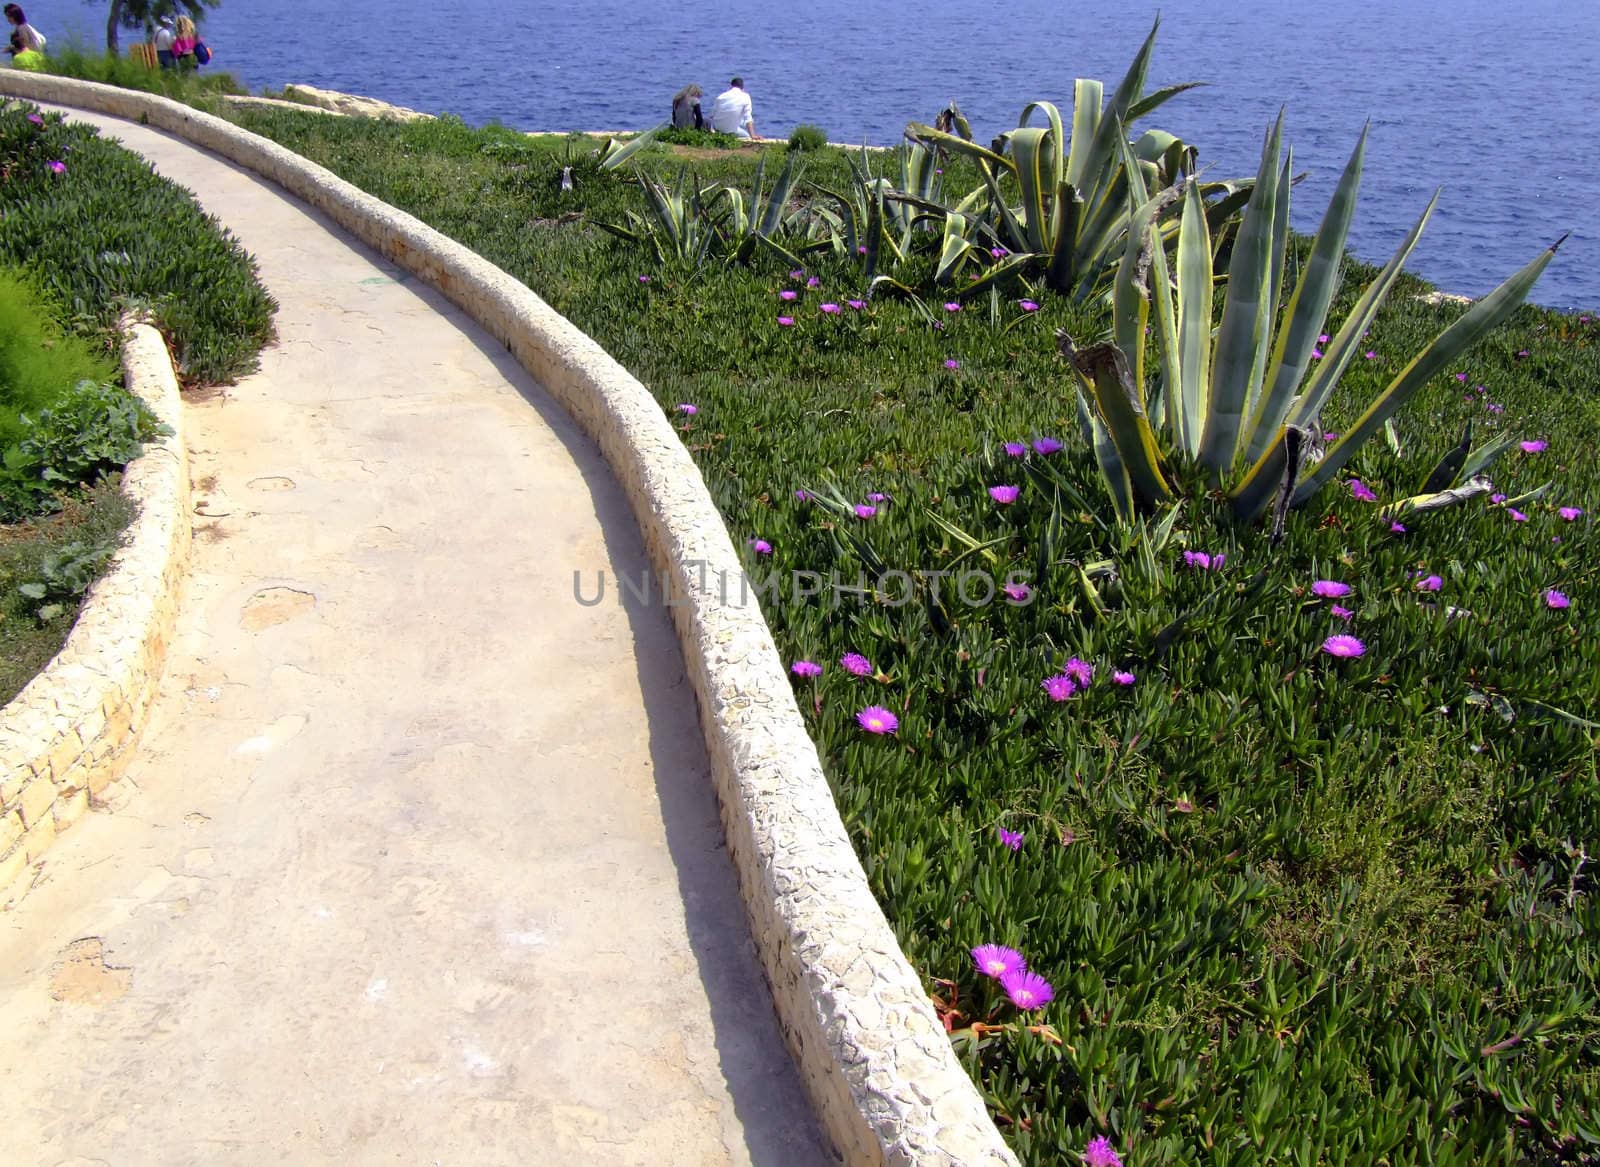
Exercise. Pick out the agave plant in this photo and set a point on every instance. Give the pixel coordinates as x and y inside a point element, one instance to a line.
<point>745,225</point>
<point>611,155</point>
<point>1240,394</point>
<point>680,230</point>
<point>1074,192</point>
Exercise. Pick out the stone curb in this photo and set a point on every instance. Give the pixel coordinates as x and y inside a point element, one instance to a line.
<point>67,737</point>
<point>875,1059</point>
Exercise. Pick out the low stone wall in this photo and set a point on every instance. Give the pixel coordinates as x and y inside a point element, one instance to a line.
<point>66,738</point>
<point>873,1055</point>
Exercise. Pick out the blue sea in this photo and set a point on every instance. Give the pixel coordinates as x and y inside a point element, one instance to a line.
<point>1497,101</point>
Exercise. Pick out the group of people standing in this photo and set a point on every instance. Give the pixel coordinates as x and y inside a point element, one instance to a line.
<point>178,45</point>
<point>731,113</point>
<point>26,44</point>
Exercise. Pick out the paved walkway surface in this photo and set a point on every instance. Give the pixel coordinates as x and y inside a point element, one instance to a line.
<point>423,865</point>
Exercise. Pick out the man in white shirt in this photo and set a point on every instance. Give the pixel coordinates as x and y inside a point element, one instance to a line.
<point>164,38</point>
<point>732,113</point>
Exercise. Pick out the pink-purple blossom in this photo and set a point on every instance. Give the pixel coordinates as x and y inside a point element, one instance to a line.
<point>1361,491</point>
<point>1004,494</point>
<point>877,719</point>
<point>785,321</point>
<point>1516,515</point>
<point>855,663</point>
<point>813,282</point>
<point>1016,449</point>
<point>856,305</point>
<point>788,294</point>
<point>831,309</point>
<point>996,960</point>
<point>1343,646</point>
<point>865,512</point>
<point>1012,839</point>
<point>806,668</point>
<point>1330,589</point>
<point>801,495</point>
<point>1461,376</point>
<point>1537,446</point>
<point>877,496</point>
<point>56,166</point>
<point>1123,677</point>
<point>1569,513</point>
<point>797,273</point>
<point>1316,354</point>
<point>952,306</point>
<point>1371,356</point>
<point>1203,561</point>
<point>1060,687</point>
<point>1080,671</point>
<point>1027,990</point>
<point>1028,305</point>
<point>1017,593</point>
<point>1555,599</point>
<point>1340,611</point>
<point>1099,1153</point>
<point>1046,446</point>
<point>1429,583</point>
<point>760,546</point>
<point>1397,527</point>
<point>952,363</point>
<point>35,119</point>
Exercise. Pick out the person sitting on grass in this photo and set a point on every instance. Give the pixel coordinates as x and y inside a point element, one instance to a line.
<point>732,112</point>
<point>686,108</point>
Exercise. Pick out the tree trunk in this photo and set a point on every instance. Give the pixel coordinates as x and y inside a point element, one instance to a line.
<point>112,23</point>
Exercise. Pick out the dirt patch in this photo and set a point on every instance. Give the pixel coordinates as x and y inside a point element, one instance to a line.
<point>707,153</point>
<point>82,977</point>
<point>274,606</point>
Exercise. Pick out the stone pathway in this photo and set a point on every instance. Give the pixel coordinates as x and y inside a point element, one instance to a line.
<point>423,865</point>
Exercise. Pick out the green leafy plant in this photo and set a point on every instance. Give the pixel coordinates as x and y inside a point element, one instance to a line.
<point>65,574</point>
<point>807,137</point>
<point>1240,391</point>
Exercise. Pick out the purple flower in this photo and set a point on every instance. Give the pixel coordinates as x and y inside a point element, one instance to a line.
<point>1497,499</point>
<point>801,496</point>
<point>1569,513</point>
<point>855,663</point>
<point>865,512</point>
<point>1371,356</point>
<point>36,119</point>
<point>998,252</point>
<point>1330,436</point>
<point>1122,677</point>
<point>788,294</point>
<point>861,249</point>
<point>1316,354</point>
<point>1060,687</point>
<point>1046,446</point>
<point>1557,599</point>
<point>1429,583</point>
<point>1028,305</point>
<point>1397,528</point>
<point>877,719</point>
<point>1359,490</point>
<point>1330,589</point>
<point>1016,449</point>
<point>57,167</point>
<point>1522,353</point>
<point>806,668</point>
<point>1012,839</point>
<point>1017,593</point>
<point>1493,408</point>
<point>1202,561</point>
<point>1323,339</point>
<point>856,305</point>
<point>797,273</point>
<point>1461,376</point>
<point>1343,646</point>
<point>952,363</point>
<point>785,321</point>
<point>1099,1153</point>
<point>1080,671</point>
<point>685,407</point>
<point>760,546</point>
<point>1516,515</point>
<point>1004,494</point>
<point>832,309</point>
<point>1340,611</point>
<point>813,282</point>
<point>1027,990</point>
<point>996,960</point>
<point>1535,447</point>
<point>952,306</point>
<point>877,496</point>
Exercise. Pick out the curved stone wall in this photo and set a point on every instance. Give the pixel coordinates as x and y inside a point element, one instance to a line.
<point>873,1054</point>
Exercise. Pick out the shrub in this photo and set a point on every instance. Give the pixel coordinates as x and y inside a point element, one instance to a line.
<point>74,60</point>
<point>101,232</point>
<point>807,137</point>
<point>704,139</point>
<point>38,361</point>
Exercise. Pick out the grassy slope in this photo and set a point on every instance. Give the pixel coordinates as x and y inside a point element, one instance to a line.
<point>1204,848</point>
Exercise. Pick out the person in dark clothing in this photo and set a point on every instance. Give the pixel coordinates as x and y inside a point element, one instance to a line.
<point>686,108</point>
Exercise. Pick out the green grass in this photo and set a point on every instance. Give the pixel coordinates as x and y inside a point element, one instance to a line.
<point>38,362</point>
<point>85,64</point>
<point>1295,909</point>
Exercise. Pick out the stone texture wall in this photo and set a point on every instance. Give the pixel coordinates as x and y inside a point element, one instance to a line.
<point>873,1054</point>
<point>66,738</point>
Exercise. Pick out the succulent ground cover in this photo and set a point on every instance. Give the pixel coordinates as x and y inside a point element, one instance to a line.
<point>88,231</point>
<point>1209,847</point>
